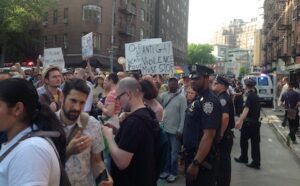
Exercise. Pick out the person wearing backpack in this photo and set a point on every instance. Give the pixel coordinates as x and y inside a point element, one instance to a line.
<point>174,104</point>
<point>133,149</point>
<point>27,158</point>
<point>85,143</point>
<point>202,121</point>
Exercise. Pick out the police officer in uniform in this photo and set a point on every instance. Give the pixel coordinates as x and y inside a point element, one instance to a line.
<point>225,139</point>
<point>202,121</point>
<point>250,126</point>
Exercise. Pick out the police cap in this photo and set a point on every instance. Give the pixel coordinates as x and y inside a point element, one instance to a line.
<point>199,70</point>
<point>250,81</point>
<point>222,80</point>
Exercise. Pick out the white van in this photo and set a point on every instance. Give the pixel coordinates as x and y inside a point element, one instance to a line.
<point>264,87</point>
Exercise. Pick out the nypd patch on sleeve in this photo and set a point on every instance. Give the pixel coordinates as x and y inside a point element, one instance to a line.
<point>208,108</point>
<point>223,102</point>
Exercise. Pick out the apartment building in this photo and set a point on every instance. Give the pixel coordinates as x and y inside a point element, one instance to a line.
<point>281,36</point>
<point>114,23</point>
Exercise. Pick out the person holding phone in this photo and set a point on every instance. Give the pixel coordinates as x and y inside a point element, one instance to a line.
<point>84,164</point>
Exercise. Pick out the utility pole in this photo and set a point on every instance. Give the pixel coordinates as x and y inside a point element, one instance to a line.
<point>112,35</point>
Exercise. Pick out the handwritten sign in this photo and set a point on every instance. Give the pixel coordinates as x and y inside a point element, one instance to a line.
<point>53,57</point>
<point>87,46</point>
<point>132,53</point>
<point>157,58</point>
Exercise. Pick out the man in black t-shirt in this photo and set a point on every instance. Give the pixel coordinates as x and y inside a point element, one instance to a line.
<point>133,148</point>
<point>250,126</point>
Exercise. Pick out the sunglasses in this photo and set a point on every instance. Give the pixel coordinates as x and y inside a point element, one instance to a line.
<point>120,95</point>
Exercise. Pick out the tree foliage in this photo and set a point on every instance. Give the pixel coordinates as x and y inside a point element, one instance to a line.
<point>17,18</point>
<point>244,71</point>
<point>17,14</point>
<point>200,54</point>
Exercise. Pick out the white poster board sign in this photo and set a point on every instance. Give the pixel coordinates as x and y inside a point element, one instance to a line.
<point>53,57</point>
<point>153,40</point>
<point>87,46</point>
<point>157,58</point>
<point>133,51</point>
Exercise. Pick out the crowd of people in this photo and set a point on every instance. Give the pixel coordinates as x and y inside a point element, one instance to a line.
<point>85,127</point>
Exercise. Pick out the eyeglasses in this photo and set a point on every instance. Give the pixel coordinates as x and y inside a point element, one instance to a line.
<point>119,96</point>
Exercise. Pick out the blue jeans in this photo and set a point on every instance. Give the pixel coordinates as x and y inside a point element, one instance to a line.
<point>174,147</point>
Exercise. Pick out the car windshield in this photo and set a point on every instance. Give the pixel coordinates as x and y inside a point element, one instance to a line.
<point>262,81</point>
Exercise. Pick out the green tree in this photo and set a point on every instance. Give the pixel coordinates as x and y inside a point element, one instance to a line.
<point>200,54</point>
<point>16,17</point>
<point>244,71</point>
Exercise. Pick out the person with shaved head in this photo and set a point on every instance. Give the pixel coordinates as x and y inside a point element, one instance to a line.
<point>133,148</point>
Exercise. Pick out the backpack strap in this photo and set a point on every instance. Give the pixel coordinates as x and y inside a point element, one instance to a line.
<point>84,118</point>
<point>64,180</point>
<point>53,134</point>
<point>174,95</point>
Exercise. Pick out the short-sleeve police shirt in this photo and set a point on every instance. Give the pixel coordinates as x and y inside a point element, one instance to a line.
<point>252,102</point>
<point>203,113</point>
<point>227,107</point>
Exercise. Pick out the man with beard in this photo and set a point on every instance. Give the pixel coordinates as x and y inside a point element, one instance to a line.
<point>202,120</point>
<point>133,148</point>
<point>84,138</point>
<point>50,93</point>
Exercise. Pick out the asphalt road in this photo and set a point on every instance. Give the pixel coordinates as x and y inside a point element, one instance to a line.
<point>279,167</point>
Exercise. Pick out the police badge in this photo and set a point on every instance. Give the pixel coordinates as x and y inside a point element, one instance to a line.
<point>208,107</point>
<point>223,102</point>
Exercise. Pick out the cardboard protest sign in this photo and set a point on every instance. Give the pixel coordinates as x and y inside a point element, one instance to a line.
<point>133,51</point>
<point>87,46</point>
<point>53,57</point>
<point>157,58</point>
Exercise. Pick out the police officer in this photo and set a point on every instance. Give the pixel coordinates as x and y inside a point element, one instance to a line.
<point>250,126</point>
<point>202,121</point>
<point>225,139</point>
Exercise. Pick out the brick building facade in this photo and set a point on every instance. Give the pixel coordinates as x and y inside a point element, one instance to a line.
<point>66,23</point>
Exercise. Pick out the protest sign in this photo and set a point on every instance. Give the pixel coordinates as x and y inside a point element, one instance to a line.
<point>132,53</point>
<point>153,40</point>
<point>157,58</point>
<point>87,46</point>
<point>53,57</point>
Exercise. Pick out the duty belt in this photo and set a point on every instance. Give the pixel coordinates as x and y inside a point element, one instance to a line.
<point>252,120</point>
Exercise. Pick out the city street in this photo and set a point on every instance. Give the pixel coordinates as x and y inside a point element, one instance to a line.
<point>279,166</point>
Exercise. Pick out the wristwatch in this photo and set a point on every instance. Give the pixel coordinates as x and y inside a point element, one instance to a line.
<point>196,163</point>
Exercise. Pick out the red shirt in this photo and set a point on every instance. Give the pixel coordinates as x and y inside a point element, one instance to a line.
<point>111,99</point>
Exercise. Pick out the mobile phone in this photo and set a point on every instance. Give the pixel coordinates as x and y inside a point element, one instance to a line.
<point>103,176</point>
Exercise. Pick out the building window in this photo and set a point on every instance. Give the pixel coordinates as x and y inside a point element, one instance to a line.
<point>55,40</point>
<point>66,15</point>
<point>142,34</point>
<point>55,17</point>
<point>91,13</point>
<point>142,15</point>
<point>65,38</point>
<point>97,40</point>
<point>45,19</point>
<point>45,41</point>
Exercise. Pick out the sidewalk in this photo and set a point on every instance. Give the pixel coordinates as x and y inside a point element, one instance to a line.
<point>274,118</point>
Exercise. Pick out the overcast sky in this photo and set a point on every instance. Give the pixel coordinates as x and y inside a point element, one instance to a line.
<point>205,17</point>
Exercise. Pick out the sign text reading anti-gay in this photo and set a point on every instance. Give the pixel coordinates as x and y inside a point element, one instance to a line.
<point>151,59</point>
